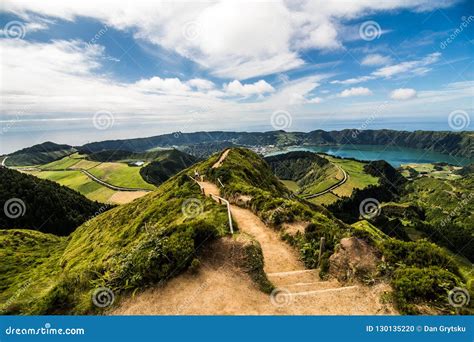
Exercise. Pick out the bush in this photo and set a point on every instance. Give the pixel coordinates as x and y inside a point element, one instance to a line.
<point>418,254</point>
<point>414,285</point>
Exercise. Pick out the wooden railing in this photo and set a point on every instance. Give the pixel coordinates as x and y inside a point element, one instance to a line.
<point>219,200</point>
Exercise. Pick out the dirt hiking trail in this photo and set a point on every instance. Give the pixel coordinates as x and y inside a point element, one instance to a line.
<point>221,287</point>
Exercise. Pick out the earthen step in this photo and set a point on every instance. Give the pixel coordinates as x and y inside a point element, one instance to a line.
<point>293,277</point>
<point>310,286</point>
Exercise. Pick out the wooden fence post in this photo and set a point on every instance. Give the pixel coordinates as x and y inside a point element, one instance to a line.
<point>321,249</point>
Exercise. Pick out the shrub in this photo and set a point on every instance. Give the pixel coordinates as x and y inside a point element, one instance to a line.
<point>415,285</point>
<point>418,254</point>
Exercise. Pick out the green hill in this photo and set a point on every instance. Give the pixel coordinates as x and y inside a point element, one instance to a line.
<point>125,248</point>
<point>156,237</point>
<point>33,203</point>
<point>165,165</point>
<point>39,154</point>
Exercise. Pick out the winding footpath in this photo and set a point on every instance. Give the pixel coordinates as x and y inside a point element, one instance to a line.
<point>219,288</point>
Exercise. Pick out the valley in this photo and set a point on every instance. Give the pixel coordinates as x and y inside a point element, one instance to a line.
<point>300,242</point>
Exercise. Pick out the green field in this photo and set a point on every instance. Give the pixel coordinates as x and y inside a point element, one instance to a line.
<point>78,181</point>
<point>358,179</point>
<point>436,171</point>
<point>66,171</point>
<point>63,163</point>
<point>121,174</point>
<point>292,185</point>
<point>326,199</point>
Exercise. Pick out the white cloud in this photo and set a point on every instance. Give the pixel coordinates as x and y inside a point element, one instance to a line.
<point>403,94</point>
<point>315,100</point>
<point>201,84</point>
<point>258,88</point>
<point>270,40</point>
<point>416,67</point>
<point>165,85</point>
<point>353,80</point>
<point>408,68</point>
<point>376,60</point>
<point>356,91</point>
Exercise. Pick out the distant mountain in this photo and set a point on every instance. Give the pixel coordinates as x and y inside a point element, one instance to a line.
<point>39,154</point>
<point>454,143</point>
<point>39,204</point>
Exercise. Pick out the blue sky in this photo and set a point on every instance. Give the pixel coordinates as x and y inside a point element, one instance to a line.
<point>82,71</point>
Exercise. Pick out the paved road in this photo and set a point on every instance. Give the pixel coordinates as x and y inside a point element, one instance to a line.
<point>3,161</point>
<point>332,187</point>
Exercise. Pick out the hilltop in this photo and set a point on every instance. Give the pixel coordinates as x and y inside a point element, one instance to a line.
<point>39,154</point>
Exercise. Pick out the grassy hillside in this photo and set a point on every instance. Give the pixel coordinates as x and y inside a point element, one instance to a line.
<point>38,204</point>
<point>155,237</point>
<point>165,165</point>
<point>245,174</point>
<point>79,182</point>
<point>39,154</point>
<point>125,249</point>
<point>448,211</point>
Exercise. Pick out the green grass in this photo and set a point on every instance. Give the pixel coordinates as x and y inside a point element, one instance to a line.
<point>325,199</point>
<point>63,163</point>
<point>328,175</point>
<point>291,185</point>
<point>29,267</point>
<point>121,174</point>
<point>445,172</point>
<point>358,179</point>
<point>78,181</point>
<point>126,248</point>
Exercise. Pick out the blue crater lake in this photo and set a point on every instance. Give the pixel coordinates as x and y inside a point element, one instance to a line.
<point>394,155</point>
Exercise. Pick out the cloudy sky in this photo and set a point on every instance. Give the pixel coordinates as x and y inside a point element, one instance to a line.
<point>86,70</point>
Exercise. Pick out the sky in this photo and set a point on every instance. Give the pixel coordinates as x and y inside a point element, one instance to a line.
<point>81,71</point>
